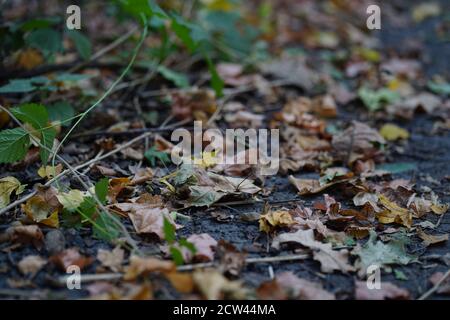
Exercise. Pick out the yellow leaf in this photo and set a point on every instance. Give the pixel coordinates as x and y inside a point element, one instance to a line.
<point>391,132</point>
<point>8,185</point>
<point>394,213</point>
<point>71,200</point>
<point>49,171</point>
<point>273,219</point>
<point>40,211</point>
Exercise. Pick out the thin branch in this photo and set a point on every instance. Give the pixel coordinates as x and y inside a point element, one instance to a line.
<point>435,287</point>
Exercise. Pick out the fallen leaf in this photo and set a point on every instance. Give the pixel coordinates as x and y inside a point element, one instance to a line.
<point>381,254</point>
<point>111,259</point>
<point>71,200</point>
<point>425,10</point>
<point>387,291</point>
<point>213,286</point>
<point>39,210</point>
<point>329,259</point>
<point>30,265</point>
<point>429,239</point>
<point>296,288</point>
<point>8,185</point>
<point>392,132</point>
<point>144,265</point>
<point>70,257</point>
<point>275,219</point>
<point>393,213</point>
<point>50,171</point>
<point>312,186</point>
<point>204,245</point>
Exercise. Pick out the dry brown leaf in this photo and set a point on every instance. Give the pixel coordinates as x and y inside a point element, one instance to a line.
<point>141,266</point>
<point>111,259</point>
<point>429,239</point>
<point>387,291</point>
<point>393,213</point>
<point>24,235</point>
<point>70,257</point>
<point>302,289</point>
<point>30,265</point>
<point>182,282</point>
<point>213,285</point>
<point>329,259</point>
<point>275,219</point>
<point>204,245</point>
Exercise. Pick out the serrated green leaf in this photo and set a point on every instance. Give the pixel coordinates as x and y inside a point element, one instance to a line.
<point>37,116</point>
<point>82,43</point>
<point>14,144</point>
<point>32,113</point>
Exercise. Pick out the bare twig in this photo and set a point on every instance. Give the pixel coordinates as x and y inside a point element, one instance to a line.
<point>435,287</point>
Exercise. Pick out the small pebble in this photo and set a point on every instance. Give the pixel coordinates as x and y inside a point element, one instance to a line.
<point>55,242</point>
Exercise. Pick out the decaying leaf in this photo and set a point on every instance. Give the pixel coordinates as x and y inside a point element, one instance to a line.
<point>23,234</point>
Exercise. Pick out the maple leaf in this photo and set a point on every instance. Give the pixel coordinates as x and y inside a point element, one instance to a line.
<point>382,254</point>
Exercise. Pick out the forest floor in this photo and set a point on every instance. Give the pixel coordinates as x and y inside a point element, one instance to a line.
<point>423,158</point>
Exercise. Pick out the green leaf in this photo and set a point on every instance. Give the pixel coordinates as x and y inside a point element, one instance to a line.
<point>441,88</point>
<point>169,231</point>
<point>14,144</point>
<point>82,43</point>
<point>216,82</point>
<point>103,225</point>
<point>45,39</point>
<point>189,245</point>
<point>18,86</point>
<point>179,79</point>
<point>377,99</point>
<point>37,116</point>
<point>177,256</point>
<point>48,135</point>
<point>62,112</point>
<point>34,114</point>
<point>101,190</point>
<point>152,155</point>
